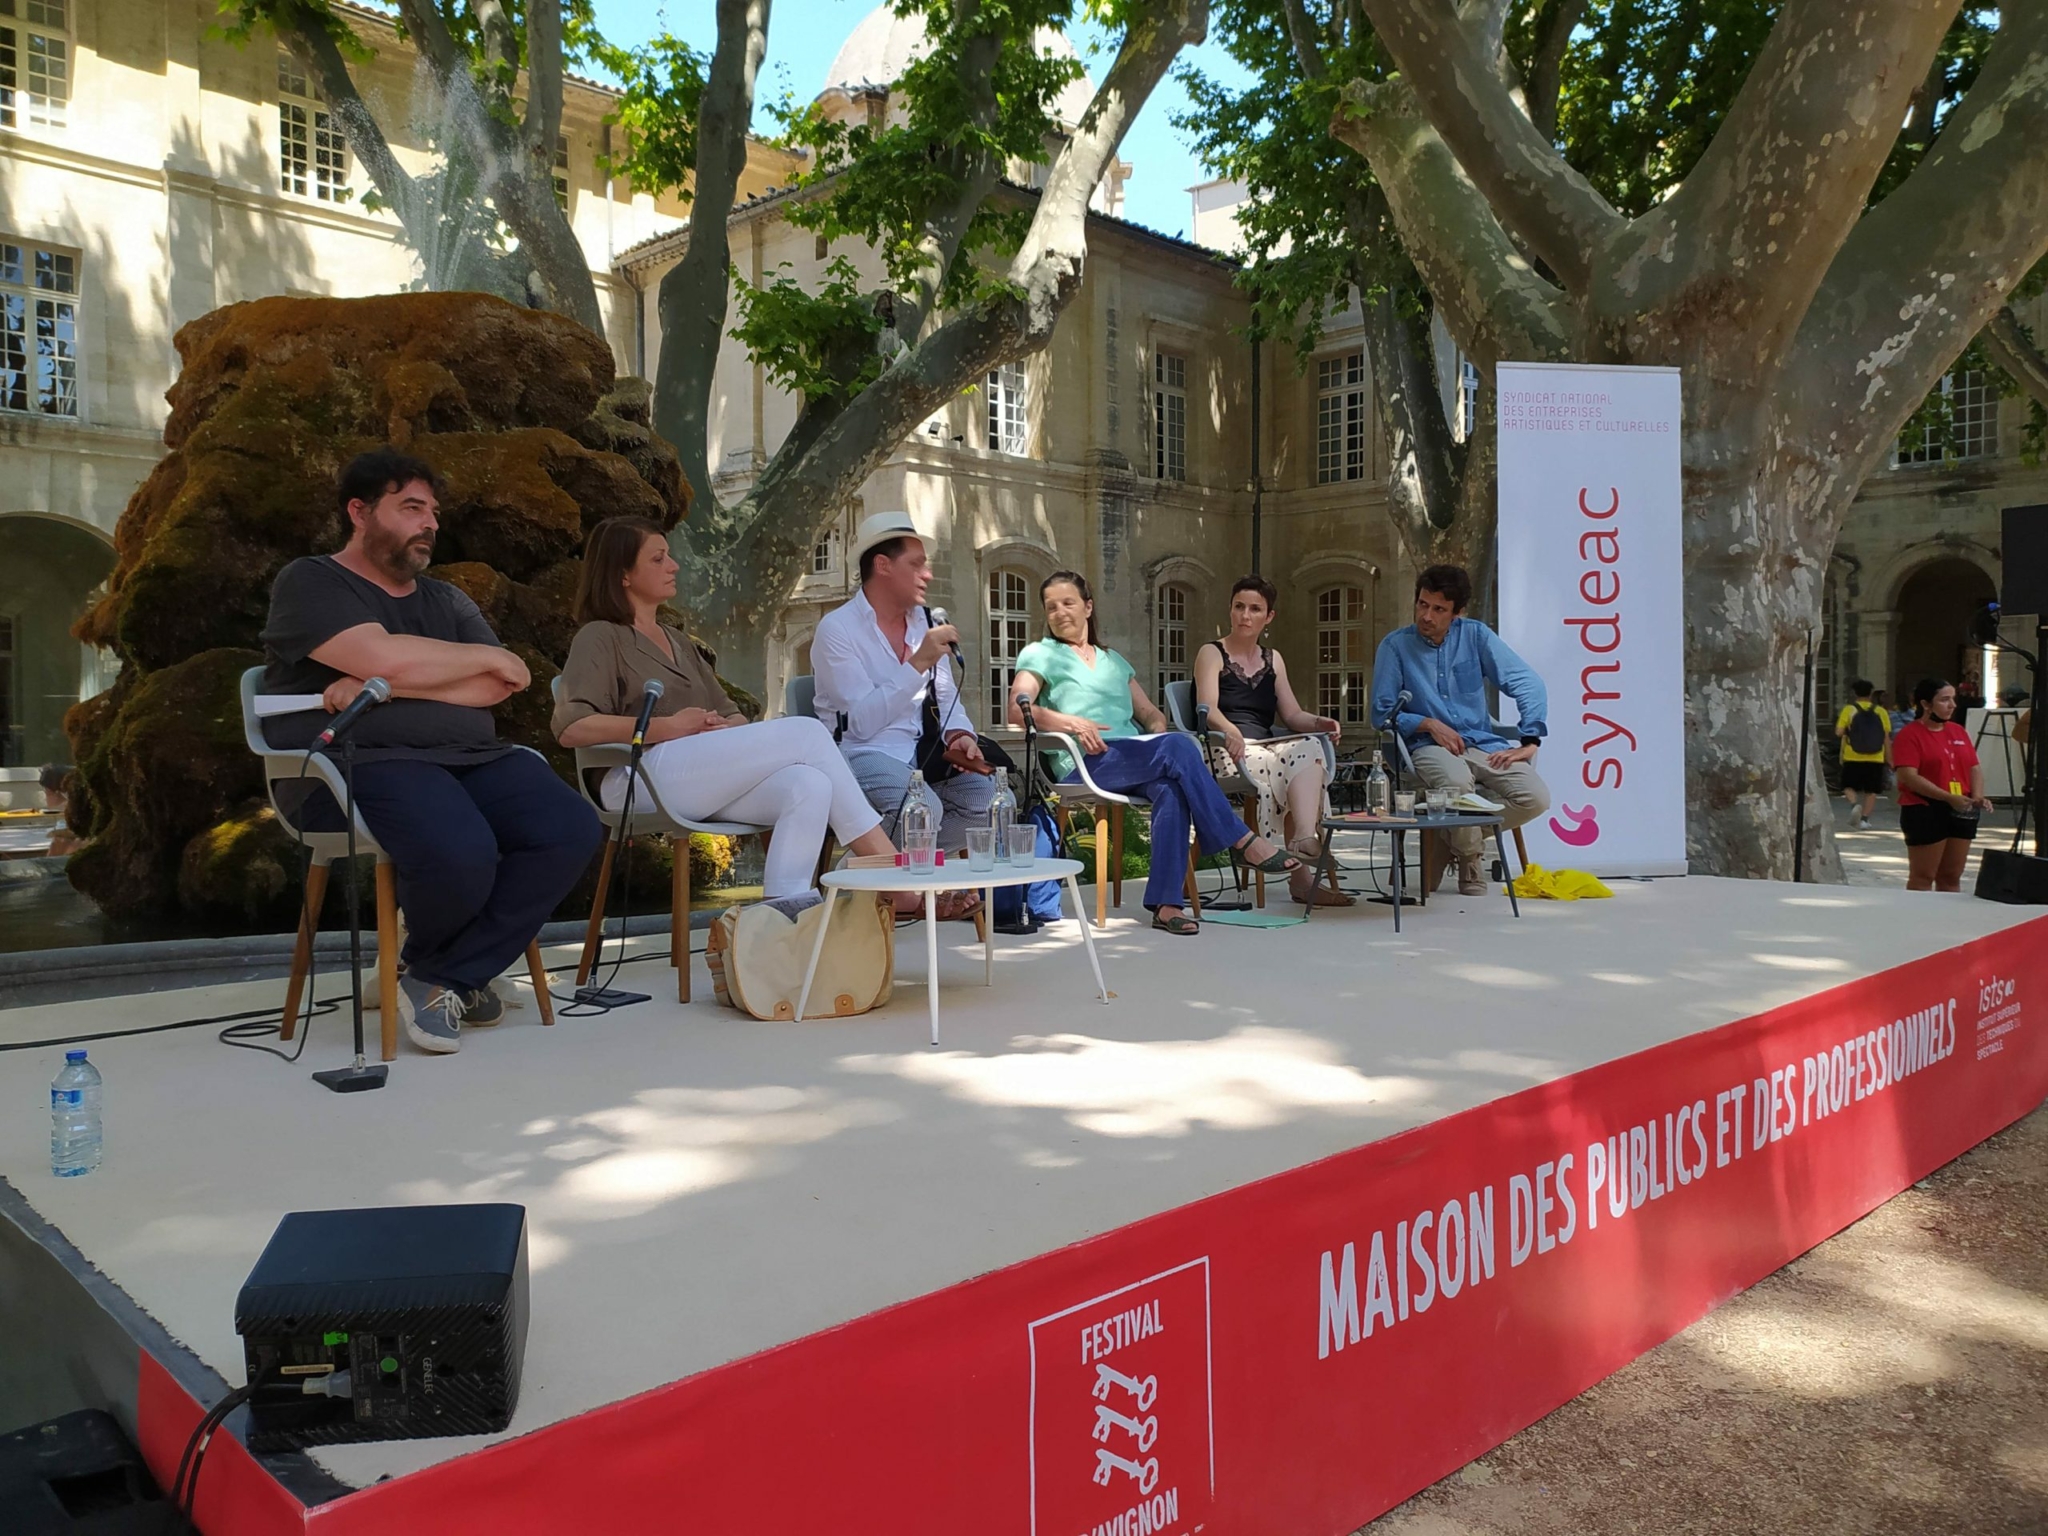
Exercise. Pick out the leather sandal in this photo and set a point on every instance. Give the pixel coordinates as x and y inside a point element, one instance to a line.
<point>1183,926</point>
<point>1279,862</point>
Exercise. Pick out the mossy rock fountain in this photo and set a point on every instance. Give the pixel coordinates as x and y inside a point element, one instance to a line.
<point>537,441</point>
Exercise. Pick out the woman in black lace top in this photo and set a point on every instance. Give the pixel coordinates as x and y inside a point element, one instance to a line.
<point>1243,682</point>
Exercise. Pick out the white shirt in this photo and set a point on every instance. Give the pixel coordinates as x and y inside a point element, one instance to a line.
<point>859,675</point>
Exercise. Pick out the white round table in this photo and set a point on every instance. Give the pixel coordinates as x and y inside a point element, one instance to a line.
<point>953,875</point>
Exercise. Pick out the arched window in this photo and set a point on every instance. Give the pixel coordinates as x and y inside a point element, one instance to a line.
<point>1340,654</point>
<point>1009,631</point>
<point>1170,637</point>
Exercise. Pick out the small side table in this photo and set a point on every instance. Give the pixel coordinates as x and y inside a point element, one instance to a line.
<point>954,875</point>
<point>1398,828</point>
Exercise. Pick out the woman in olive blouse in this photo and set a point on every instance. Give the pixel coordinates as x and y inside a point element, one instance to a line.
<point>706,759</point>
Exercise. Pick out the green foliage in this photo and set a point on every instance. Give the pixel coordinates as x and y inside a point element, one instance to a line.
<point>818,344</point>
<point>1311,223</point>
<point>883,185</point>
<point>663,83</point>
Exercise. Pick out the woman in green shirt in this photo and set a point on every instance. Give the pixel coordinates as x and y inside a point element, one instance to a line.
<point>1087,690</point>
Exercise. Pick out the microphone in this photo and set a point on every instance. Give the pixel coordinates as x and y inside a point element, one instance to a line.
<point>648,700</point>
<point>375,692</point>
<point>1024,709</point>
<point>1406,698</point>
<point>939,616</point>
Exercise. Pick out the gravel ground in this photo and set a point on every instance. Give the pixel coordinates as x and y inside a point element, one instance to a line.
<point>1894,1379</point>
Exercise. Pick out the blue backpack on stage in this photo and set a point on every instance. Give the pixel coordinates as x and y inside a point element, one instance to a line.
<point>1040,899</point>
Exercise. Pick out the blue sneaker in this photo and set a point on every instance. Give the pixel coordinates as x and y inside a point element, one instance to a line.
<point>432,1015</point>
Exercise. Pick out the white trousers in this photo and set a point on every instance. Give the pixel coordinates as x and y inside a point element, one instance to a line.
<point>787,774</point>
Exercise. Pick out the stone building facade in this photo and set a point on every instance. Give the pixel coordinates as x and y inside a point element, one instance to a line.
<point>150,171</point>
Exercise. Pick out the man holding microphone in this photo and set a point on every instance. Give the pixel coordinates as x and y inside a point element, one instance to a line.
<point>485,837</point>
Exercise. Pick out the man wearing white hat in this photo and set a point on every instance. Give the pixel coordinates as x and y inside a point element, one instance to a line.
<point>881,666</point>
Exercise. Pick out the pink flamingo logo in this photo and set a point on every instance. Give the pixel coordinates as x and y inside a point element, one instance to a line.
<point>1584,830</point>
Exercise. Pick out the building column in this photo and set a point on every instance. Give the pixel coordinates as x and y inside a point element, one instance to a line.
<point>1877,636</point>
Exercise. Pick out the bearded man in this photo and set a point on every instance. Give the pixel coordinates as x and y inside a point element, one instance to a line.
<point>485,837</point>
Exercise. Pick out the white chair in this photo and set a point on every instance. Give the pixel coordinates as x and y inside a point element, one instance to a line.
<point>314,769</point>
<point>1181,711</point>
<point>1108,805</point>
<point>649,815</point>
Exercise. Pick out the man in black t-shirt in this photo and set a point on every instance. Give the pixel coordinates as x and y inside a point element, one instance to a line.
<point>485,837</point>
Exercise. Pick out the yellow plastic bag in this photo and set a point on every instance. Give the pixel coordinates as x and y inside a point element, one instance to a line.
<point>1559,884</point>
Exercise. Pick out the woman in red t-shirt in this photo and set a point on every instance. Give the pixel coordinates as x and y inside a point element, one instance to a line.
<point>1941,790</point>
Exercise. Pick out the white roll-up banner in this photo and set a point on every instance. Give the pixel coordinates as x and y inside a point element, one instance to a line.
<point>1591,596</point>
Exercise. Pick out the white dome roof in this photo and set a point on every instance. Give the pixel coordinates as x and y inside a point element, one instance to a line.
<point>885,44</point>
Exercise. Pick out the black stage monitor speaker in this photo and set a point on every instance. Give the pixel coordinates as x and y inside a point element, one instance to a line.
<point>400,1323</point>
<point>2024,548</point>
<point>2019,878</point>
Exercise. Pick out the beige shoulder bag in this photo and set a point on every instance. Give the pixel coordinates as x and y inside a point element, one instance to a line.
<point>757,957</point>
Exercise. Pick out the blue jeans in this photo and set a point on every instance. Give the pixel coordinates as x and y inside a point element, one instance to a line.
<point>483,854</point>
<point>1170,773</point>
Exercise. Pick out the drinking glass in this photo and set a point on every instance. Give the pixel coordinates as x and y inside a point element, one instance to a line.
<point>981,849</point>
<point>1023,846</point>
<point>1439,800</point>
<point>1404,803</point>
<point>921,846</point>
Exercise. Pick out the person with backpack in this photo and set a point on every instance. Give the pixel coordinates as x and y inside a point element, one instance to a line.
<point>1864,729</point>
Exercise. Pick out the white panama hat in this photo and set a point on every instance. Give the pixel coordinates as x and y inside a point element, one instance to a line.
<point>880,528</point>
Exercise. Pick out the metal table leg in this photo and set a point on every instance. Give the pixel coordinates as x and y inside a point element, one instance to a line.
<point>1087,937</point>
<point>1501,845</point>
<point>1308,907</point>
<point>931,957</point>
<point>1400,854</point>
<point>817,948</point>
<point>988,937</point>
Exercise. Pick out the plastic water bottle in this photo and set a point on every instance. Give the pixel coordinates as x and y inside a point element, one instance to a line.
<point>1002,814</point>
<point>75,1117</point>
<point>1379,795</point>
<point>920,824</point>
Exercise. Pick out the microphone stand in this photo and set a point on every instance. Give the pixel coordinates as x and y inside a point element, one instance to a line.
<point>360,1075</point>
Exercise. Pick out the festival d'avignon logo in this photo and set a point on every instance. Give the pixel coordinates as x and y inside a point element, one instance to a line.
<point>1584,830</point>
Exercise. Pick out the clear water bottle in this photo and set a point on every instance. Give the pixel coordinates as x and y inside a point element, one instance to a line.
<point>1002,814</point>
<point>75,1117</point>
<point>1379,794</point>
<point>919,829</point>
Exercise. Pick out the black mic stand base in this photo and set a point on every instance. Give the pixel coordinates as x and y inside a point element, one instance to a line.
<point>353,1079</point>
<point>609,997</point>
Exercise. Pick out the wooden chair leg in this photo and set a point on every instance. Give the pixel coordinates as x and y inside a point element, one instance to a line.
<point>1194,891</point>
<point>1101,867</point>
<point>387,958</point>
<point>537,969</point>
<point>1521,852</point>
<point>1116,849</point>
<point>302,951</point>
<point>981,924</point>
<point>594,933</point>
<point>679,917</point>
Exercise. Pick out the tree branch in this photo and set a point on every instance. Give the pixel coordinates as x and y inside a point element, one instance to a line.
<point>1554,28</point>
<point>2009,345</point>
<point>543,83</point>
<point>1757,223</point>
<point>1422,459</point>
<point>501,39</point>
<point>1457,77</point>
<point>1302,32</point>
<point>430,34</point>
<point>810,475</point>
<point>974,172</point>
<point>1930,266</point>
<point>695,294</point>
<point>1493,300</point>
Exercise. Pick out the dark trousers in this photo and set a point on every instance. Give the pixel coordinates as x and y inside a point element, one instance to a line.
<point>483,854</point>
<point>1169,771</point>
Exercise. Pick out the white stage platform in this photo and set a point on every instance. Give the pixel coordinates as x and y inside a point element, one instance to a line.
<point>701,1186</point>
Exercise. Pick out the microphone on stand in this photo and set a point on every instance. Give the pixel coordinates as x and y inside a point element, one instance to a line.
<point>1393,714</point>
<point>648,699</point>
<point>375,691</point>
<point>938,616</point>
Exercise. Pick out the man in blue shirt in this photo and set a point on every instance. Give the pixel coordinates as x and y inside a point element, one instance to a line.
<point>1429,680</point>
